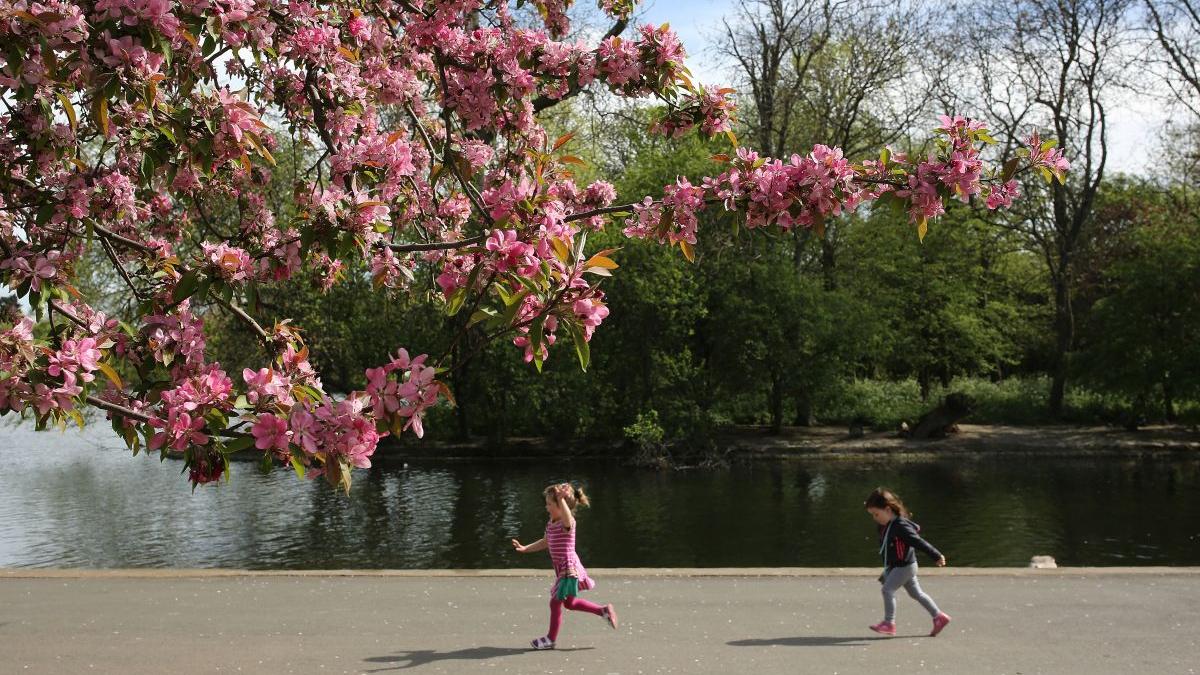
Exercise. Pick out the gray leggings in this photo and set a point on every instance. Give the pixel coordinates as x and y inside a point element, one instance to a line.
<point>905,576</point>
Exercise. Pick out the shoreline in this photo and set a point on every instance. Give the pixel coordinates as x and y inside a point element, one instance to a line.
<point>628,572</point>
<point>835,443</point>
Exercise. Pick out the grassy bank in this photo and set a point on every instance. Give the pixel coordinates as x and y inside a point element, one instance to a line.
<point>883,404</point>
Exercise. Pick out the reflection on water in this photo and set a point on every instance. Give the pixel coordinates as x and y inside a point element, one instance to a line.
<point>78,499</point>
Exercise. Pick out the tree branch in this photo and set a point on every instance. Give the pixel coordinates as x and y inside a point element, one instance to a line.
<point>438,245</point>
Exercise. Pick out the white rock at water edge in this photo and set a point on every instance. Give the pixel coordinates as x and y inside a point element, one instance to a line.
<point>1043,562</point>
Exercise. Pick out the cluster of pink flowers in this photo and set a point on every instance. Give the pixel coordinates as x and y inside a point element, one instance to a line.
<point>178,430</point>
<point>16,358</point>
<point>175,335</point>
<point>180,419</point>
<point>336,432</point>
<point>157,13</point>
<point>113,197</point>
<point>504,198</point>
<point>266,387</point>
<point>75,358</point>
<point>390,153</point>
<point>127,53</point>
<point>229,263</point>
<point>283,258</point>
<point>1004,194</point>
<point>397,395</point>
<point>477,153</point>
<point>238,118</point>
<point>531,307</point>
<point>590,312</point>
<point>402,390</point>
<point>510,252</point>
<point>75,361</point>
<point>1043,155</point>
<point>37,269</point>
<point>455,272</point>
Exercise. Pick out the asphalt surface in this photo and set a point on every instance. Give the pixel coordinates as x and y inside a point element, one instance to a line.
<point>1005,621</point>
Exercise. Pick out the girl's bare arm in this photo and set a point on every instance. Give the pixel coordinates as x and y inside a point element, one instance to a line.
<point>539,545</point>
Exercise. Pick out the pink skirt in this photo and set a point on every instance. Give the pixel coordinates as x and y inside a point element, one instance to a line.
<point>586,583</point>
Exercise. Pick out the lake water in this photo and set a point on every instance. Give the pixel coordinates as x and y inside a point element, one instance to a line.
<point>78,499</point>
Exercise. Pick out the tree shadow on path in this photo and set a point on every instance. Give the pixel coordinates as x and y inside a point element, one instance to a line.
<point>806,641</point>
<point>422,657</point>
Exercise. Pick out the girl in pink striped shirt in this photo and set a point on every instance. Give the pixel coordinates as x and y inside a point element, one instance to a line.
<point>570,575</point>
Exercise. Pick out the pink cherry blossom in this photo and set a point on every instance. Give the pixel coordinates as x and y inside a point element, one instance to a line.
<point>271,433</point>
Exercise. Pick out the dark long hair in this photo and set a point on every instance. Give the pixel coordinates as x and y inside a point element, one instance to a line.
<point>883,498</point>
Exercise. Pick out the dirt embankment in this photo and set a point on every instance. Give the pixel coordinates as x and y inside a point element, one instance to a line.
<point>749,443</point>
<point>970,439</point>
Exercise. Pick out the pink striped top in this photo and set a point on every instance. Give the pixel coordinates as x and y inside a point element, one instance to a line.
<point>561,543</point>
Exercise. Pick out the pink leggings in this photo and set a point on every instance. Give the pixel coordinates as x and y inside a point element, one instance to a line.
<point>573,603</point>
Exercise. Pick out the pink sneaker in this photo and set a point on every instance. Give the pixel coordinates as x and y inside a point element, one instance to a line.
<point>610,613</point>
<point>939,622</point>
<point>885,628</point>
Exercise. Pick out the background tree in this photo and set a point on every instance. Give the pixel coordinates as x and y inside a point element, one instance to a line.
<point>1053,64</point>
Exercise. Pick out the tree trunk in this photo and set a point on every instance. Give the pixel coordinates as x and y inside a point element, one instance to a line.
<point>1168,400</point>
<point>828,263</point>
<point>804,409</point>
<point>1064,329</point>
<point>461,397</point>
<point>776,404</point>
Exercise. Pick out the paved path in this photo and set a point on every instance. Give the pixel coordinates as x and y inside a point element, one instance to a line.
<point>801,621</point>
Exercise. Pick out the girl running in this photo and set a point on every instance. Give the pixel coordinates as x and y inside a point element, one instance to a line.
<point>570,576</point>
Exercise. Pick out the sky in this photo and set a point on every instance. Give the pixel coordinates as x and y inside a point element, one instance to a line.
<point>1134,121</point>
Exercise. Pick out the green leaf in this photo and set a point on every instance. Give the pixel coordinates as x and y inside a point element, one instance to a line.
<point>481,315</point>
<point>130,436</point>
<point>112,375</point>
<point>44,213</point>
<point>536,336</point>
<point>216,419</point>
<point>265,464</point>
<point>457,299</point>
<point>239,443</point>
<point>186,286</point>
<point>514,306</point>
<point>297,466</point>
<point>582,348</point>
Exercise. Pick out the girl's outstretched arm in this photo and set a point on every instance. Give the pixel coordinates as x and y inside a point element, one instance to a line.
<point>539,545</point>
